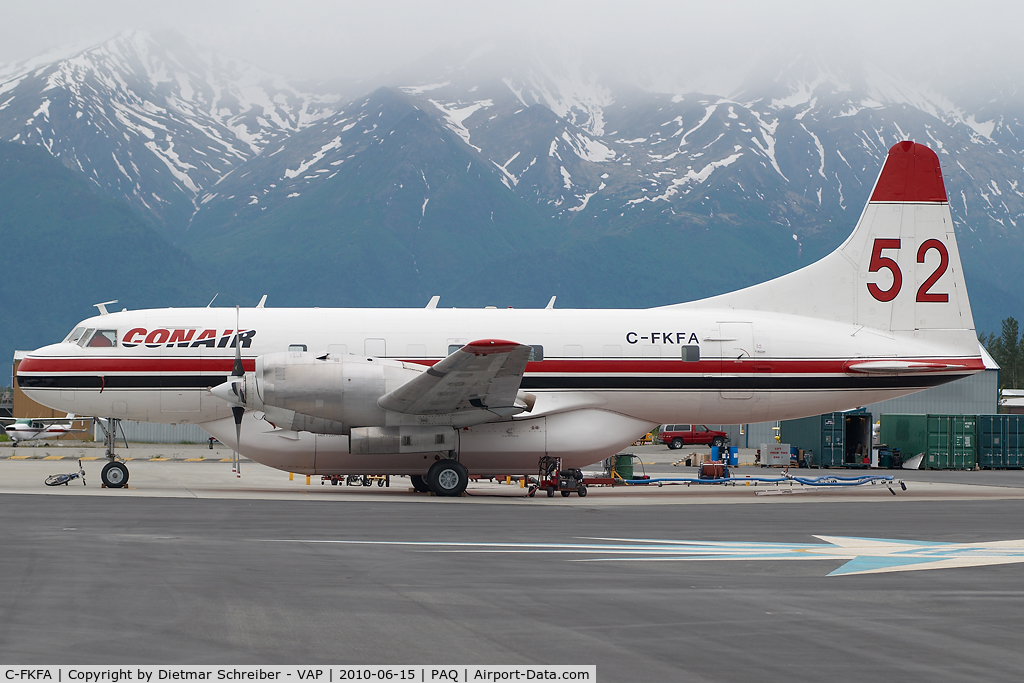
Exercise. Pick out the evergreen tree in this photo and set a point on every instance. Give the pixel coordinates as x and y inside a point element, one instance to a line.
<point>1008,351</point>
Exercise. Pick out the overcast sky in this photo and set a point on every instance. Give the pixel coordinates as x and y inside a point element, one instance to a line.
<point>321,39</point>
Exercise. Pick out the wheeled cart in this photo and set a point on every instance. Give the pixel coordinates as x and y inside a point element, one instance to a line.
<point>551,478</point>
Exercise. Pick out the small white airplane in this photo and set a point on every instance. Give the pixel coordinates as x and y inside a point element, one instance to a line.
<point>436,393</point>
<point>34,428</point>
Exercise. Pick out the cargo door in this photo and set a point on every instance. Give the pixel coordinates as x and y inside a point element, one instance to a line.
<point>991,442</point>
<point>940,442</point>
<point>857,433</point>
<point>736,345</point>
<point>832,442</point>
<point>965,443</point>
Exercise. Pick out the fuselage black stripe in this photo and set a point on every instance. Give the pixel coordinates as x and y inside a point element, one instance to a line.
<point>581,382</point>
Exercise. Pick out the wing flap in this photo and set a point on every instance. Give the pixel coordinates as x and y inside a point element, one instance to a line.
<point>483,374</point>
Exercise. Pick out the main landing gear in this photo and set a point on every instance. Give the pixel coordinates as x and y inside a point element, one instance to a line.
<point>114,474</point>
<point>447,477</point>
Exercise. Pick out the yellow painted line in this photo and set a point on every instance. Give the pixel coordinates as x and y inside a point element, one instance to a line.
<point>226,460</point>
<point>20,457</point>
<point>92,457</point>
<point>193,459</point>
<point>54,457</point>
<point>157,458</point>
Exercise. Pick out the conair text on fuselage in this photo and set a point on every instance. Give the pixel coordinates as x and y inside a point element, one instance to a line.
<point>186,337</point>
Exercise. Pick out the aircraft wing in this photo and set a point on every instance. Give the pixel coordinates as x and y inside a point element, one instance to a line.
<point>483,374</point>
<point>71,418</point>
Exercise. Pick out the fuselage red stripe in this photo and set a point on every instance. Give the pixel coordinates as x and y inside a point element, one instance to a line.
<point>221,366</point>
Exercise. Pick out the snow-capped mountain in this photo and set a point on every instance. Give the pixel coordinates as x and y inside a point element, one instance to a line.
<point>152,119</point>
<point>572,176</point>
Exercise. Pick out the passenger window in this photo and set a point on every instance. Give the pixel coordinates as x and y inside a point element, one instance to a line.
<point>691,354</point>
<point>702,428</point>
<point>683,428</point>
<point>104,338</point>
<point>296,347</point>
<point>536,353</point>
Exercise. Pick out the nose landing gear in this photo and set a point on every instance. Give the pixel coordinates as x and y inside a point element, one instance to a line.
<point>114,474</point>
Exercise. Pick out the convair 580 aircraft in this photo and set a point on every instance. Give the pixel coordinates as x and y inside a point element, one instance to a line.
<point>437,393</point>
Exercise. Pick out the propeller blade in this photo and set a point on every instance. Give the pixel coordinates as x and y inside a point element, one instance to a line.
<point>237,371</point>
<point>237,412</point>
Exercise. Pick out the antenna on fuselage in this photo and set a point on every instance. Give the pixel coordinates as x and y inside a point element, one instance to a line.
<point>103,306</point>
<point>262,301</point>
<point>551,304</point>
<point>213,299</point>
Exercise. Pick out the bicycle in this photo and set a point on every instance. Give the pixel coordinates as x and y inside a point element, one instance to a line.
<point>58,479</point>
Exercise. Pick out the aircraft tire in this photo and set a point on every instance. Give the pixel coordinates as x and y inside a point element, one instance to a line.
<point>114,475</point>
<point>419,483</point>
<point>447,477</point>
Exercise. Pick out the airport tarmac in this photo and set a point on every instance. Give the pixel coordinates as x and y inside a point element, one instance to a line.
<point>193,565</point>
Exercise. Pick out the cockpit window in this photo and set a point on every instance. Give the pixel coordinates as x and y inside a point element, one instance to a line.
<point>104,339</point>
<point>75,335</point>
<point>86,336</point>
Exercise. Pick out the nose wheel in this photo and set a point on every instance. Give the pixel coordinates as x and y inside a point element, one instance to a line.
<point>114,475</point>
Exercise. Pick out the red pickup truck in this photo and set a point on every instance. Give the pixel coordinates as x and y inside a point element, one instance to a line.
<point>674,436</point>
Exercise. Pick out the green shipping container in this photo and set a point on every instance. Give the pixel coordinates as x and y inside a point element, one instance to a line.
<point>1001,441</point>
<point>836,439</point>
<point>908,433</point>
<point>952,442</point>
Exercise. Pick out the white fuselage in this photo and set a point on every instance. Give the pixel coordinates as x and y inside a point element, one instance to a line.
<point>26,430</point>
<point>885,314</point>
<point>606,378</point>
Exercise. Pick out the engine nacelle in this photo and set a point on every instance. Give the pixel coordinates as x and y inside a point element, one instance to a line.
<point>299,391</point>
<point>297,422</point>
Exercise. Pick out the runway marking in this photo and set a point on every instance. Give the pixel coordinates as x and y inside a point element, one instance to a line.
<point>862,555</point>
